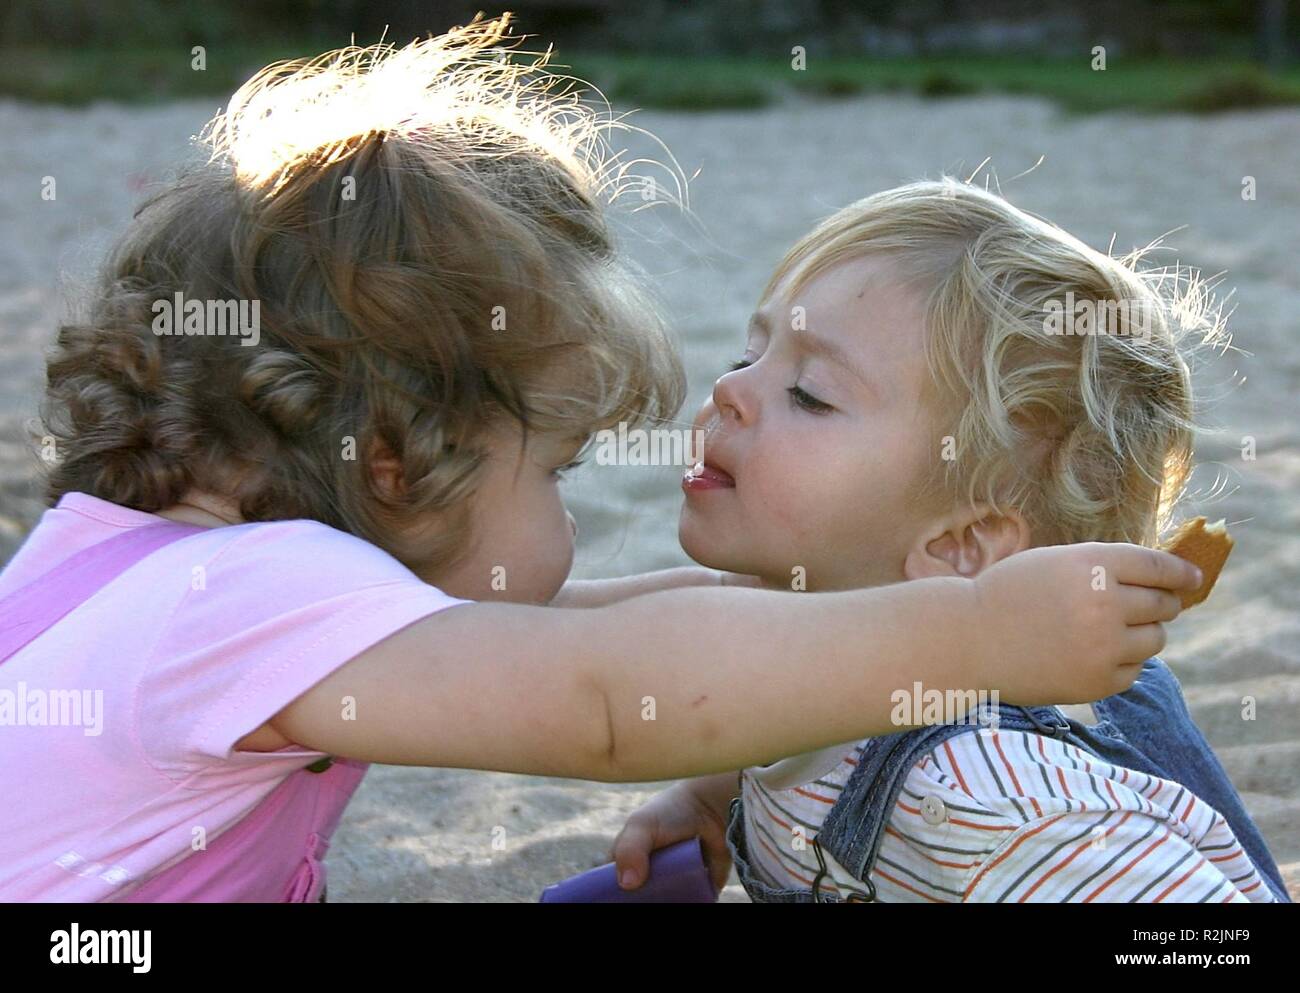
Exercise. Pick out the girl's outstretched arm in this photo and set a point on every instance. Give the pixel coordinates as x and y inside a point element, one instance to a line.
<point>600,592</point>
<point>690,682</point>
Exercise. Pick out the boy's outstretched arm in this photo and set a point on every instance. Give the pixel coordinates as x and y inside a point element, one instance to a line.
<point>691,682</point>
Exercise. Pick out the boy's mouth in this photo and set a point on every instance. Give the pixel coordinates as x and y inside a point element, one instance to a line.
<point>702,476</point>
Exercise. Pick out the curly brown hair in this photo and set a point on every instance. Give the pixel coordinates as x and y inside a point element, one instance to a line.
<point>468,280</point>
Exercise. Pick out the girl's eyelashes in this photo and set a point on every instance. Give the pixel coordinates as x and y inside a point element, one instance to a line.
<point>559,471</point>
<point>800,396</point>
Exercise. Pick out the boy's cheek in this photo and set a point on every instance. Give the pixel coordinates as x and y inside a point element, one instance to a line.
<point>800,510</point>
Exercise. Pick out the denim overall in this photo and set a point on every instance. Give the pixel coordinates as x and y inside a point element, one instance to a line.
<point>1147,728</point>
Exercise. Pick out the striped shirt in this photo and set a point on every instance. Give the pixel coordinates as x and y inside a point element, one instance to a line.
<point>1004,816</point>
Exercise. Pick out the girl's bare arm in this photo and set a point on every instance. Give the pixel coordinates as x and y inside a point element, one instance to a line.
<point>600,592</point>
<point>692,682</point>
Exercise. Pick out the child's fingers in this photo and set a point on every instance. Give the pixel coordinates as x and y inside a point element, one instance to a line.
<point>719,870</point>
<point>1126,675</point>
<point>1144,605</point>
<point>713,841</point>
<point>1134,565</point>
<point>631,853</point>
<point>1141,642</point>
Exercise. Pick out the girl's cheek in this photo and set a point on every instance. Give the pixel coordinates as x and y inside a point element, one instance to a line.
<point>568,542</point>
<point>556,555</point>
<point>552,563</point>
<point>562,574</point>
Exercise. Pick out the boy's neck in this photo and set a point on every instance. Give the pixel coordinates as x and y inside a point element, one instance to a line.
<point>1081,713</point>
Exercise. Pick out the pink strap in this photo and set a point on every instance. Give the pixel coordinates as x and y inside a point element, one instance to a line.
<point>30,610</point>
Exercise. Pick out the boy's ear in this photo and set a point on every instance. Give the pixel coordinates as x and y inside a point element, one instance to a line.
<point>967,545</point>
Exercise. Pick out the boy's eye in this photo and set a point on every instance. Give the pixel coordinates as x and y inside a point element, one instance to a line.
<point>808,402</point>
<point>802,397</point>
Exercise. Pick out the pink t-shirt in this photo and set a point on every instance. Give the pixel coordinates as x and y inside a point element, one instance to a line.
<point>172,663</point>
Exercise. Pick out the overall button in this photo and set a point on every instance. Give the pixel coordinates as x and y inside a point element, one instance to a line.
<point>933,810</point>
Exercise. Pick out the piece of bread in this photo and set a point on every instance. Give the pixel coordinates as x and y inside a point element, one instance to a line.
<point>1206,547</point>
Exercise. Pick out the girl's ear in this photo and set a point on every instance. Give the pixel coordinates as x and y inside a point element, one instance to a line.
<point>967,545</point>
<point>385,469</point>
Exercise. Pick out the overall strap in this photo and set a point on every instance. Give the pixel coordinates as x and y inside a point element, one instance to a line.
<point>855,827</point>
<point>30,610</point>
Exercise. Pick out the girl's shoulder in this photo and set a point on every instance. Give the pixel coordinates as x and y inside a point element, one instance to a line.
<point>307,553</point>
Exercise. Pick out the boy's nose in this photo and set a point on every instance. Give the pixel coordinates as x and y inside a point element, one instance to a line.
<point>727,398</point>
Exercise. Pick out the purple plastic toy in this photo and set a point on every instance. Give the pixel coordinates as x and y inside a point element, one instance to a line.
<point>677,875</point>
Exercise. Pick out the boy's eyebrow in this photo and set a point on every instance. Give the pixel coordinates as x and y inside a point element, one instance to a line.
<point>814,345</point>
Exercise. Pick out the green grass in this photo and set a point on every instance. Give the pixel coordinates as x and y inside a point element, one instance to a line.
<point>136,75</point>
<point>1145,86</point>
<point>680,83</point>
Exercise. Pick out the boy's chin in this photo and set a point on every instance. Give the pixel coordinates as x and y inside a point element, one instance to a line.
<point>710,554</point>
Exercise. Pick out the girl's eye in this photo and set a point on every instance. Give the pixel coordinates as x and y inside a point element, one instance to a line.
<point>808,402</point>
<point>739,364</point>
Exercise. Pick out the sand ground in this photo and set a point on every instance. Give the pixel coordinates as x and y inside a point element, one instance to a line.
<point>763,178</point>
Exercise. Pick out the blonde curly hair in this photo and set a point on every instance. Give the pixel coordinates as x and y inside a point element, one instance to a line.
<point>424,228</point>
<point>1087,435</point>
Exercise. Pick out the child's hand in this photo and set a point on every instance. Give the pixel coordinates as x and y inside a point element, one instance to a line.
<point>1073,623</point>
<point>695,807</point>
